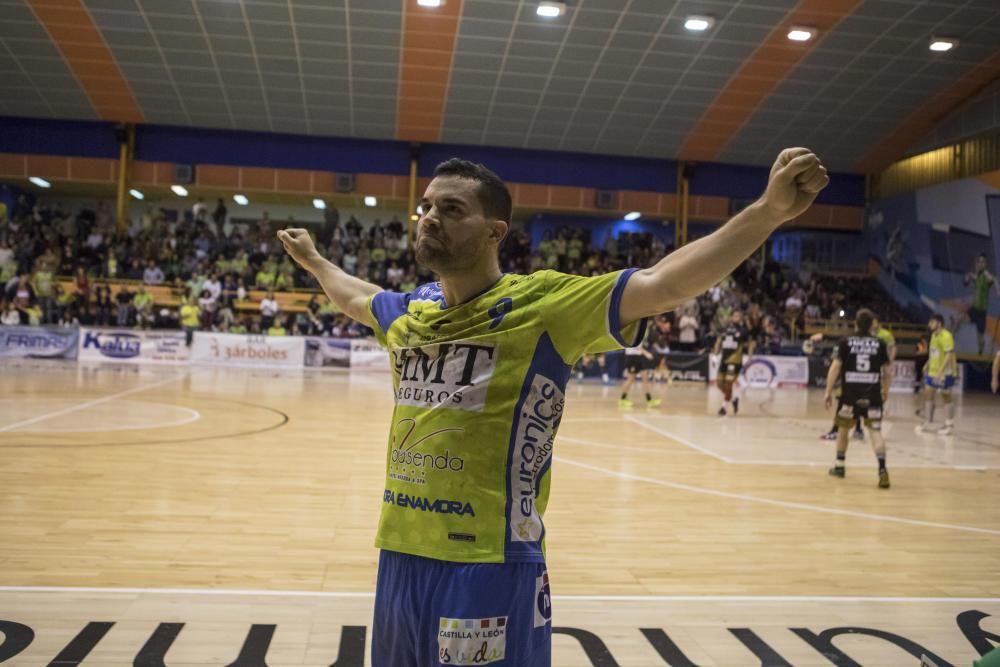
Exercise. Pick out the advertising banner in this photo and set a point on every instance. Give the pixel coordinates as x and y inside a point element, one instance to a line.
<point>328,352</point>
<point>248,350</point>
<point>775,372</point>
<point>39,342</point>
<point>904,374</point>
<point>131,346</point>
<point>366,354</point>
<point>688,366</point>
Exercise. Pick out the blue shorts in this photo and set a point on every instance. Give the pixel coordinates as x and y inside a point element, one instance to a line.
<point>947,384</point>
<point>432,612</point>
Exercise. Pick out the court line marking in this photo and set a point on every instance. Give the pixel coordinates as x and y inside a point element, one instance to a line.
<point>87,404</point>
<point>583,598</point>
<point>682,441</point>
<point>725,459</point>
<point>777,503</point>
<point>192,416</point>
<point>631,448</point>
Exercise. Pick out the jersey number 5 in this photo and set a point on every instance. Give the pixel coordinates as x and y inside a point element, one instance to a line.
<point>864,363</point>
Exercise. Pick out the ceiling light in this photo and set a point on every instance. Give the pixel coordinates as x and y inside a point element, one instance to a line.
<point>551,10</point>
<point>319,203</point>
<point>798,33</point>
<point>371,201</point>
<point>40,182</point>
<point>414,217</point>
<point>430,3</point>
<point>137,194</point>
<point>699,23</point>
<point>241,200</point>
<point>179,190</point>
<point>943,43</point>
<point>634,215</point>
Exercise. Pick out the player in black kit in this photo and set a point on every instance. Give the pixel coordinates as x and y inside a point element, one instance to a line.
<point>861,363</point>
<point>733,343</point>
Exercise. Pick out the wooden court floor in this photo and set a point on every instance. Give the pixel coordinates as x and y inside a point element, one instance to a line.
<point>210,516</point>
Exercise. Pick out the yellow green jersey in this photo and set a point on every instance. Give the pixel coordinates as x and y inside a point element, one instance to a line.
<point>479,393</point>
<point>886,337</point>
<point>942,343</point>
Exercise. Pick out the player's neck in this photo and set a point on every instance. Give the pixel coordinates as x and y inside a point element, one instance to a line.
<point>465,286</point>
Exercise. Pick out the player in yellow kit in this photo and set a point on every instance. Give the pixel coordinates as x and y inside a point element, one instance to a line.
<point>480,361</point>
<point>939,376</point>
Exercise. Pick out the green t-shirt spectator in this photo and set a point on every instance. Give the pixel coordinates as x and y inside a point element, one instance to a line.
<point>193,286</point>
<point>42,282</point>
<point>266,278</point>
<point>142,301</point>
<point>277,330</point>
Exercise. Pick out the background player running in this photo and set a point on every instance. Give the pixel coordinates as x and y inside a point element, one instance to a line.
<point>638,365</point>
<point>939,376</point>
<point>733,343</point>
<point>861,363</point>
<point>659,339</point>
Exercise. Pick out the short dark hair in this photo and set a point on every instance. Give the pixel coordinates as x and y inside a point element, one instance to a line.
<point>493,194</point>
<point>939,318</point>
<point>863,320</point>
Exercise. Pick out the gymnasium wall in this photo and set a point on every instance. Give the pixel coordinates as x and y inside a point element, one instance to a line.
<point>155,143</point>
<point>923,243</point>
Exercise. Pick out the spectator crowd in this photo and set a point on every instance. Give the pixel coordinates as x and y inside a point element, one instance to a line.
<point>211,263</point>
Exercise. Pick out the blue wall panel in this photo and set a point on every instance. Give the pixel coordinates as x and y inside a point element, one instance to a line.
<point>40,136</point>
<point>549,167</point>
<point>262,149</point>
<point>744,182</point>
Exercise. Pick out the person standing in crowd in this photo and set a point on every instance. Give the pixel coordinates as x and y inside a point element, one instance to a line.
<point>190,319</point>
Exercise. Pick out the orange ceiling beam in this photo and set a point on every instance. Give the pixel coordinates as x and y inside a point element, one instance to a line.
<point>425,67</point>
<point>758,76</point>
<point>929,114</point>
<point>82,46</point>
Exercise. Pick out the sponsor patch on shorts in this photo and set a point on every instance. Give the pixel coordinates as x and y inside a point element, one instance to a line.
<point>472,641</point>
<point>543,601</point>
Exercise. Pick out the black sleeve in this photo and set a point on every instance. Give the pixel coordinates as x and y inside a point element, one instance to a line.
<point>883,354</point>
<point>841,350</point>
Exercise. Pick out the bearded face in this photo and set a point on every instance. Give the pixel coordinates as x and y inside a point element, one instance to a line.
<point>453,234</point>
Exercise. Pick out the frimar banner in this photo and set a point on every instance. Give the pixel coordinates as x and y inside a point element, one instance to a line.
<point>328,352</point>
<point>132,346</point>
<point>248,350</point>
<point>775,372</point>
<point>39,342</point>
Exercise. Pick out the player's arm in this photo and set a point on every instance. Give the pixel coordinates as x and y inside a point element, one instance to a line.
<point>349,293</point>
<point>886,370</point>
<point>718,344</point>
<point>950,366</point>
<point>796,178</point>
<point>831,380</point>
